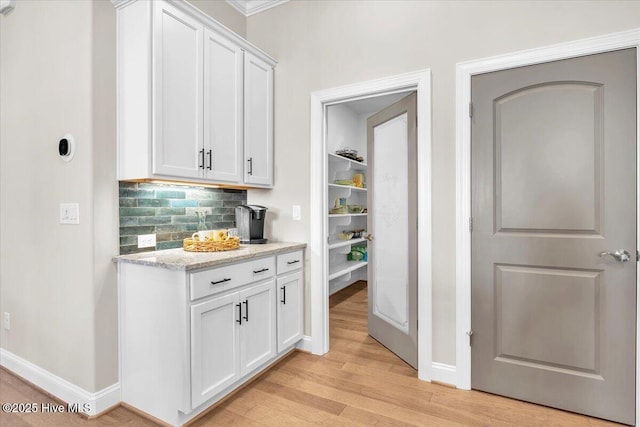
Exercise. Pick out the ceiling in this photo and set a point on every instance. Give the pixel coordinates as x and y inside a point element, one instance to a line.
<point>251,7</point>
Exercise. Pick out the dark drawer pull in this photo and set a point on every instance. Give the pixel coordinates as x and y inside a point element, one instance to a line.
<point>239,319</point>
<point>284,295</point>
<point>260,271</point>
<point>220,281</point>
<point>246,310</point>
<point>293,262</point>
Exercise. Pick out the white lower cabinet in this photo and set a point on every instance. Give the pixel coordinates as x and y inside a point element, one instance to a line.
<point>215,361</point>
<point>290,313</point>
<point>230,337</point>
<point>258,326</point>
<point>189,338</point>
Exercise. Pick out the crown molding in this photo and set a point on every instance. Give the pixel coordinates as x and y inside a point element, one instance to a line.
<point>251,7</point>
<point>120,3</point>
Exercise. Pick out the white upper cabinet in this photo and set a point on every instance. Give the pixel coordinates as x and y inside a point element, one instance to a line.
<point>195,100</point>
<point>177,149</point>
<point>258,125</point>
<point>223,101</point>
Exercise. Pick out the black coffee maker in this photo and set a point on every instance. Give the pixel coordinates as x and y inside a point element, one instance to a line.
<point>250,223</point>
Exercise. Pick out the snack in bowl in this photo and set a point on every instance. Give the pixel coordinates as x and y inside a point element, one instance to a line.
<point>219,235</point>
<point>203,235</point>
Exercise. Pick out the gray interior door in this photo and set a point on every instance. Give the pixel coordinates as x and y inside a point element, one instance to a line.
<point>553,187</point>
<point>392,273</point>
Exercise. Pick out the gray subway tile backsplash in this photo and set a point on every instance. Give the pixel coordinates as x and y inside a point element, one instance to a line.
<point>169,212</point>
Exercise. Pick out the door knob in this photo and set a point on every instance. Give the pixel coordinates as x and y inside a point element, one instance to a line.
<point>620,255</point>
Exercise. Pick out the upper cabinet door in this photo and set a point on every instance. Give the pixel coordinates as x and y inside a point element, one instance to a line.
<point>223,115</point>
<point>258,121</point>
<point>177,79</point>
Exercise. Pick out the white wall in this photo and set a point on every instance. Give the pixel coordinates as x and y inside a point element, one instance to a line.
<point>105,193</point>
<point>224,13</point>
<point>343,128</point>
<point>324,44</point>
<point>47,269</point>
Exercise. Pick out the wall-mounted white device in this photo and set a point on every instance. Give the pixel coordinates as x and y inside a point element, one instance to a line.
<point>7,6</point>
<point>67,147</point>
<point>69,213</point>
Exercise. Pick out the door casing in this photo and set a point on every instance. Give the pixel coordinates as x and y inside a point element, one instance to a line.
<point>464,72</point>
<point>420,82</point>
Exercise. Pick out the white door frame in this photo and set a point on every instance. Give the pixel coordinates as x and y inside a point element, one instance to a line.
<point>319,288</point>
<point>464,72</point>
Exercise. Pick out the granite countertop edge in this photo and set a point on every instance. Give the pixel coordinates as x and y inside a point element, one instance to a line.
<point>179,259</point>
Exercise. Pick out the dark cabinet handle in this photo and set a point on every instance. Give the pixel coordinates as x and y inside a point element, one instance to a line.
<point>250,166</point>
<point>246,310</point>
<point>284,295</point>
<point>293,262</point>
<point>260,271</point>
<point>210,161</point>
<point>220,281</point>
<point>239,320</point>
<point>202,158</point>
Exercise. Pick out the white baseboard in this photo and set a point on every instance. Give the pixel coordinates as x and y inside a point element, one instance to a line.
<point>89,403</point>
<point>304,344</point>
<point>443,373</point>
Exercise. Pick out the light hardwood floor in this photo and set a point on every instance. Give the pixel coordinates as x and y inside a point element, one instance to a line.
<point>358,383</point>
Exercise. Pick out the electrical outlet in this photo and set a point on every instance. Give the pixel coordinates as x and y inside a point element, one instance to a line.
<point>69,213</point>
<point>146,240</point>
<point>7,321</point>
<point>295,213</point>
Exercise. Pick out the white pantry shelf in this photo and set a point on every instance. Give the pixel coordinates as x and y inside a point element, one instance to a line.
<point>359,166</point>
<point>345,215</point>
<point>333,244</point>
<point>338,270</point>
<point>350,187</point>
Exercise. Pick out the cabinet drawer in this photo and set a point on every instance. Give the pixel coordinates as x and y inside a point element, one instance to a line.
<point>216,280</point>
<point>290,262</point>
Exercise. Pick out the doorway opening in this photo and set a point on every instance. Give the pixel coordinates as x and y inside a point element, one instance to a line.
<point>383,268</point>
<point>327,273</point>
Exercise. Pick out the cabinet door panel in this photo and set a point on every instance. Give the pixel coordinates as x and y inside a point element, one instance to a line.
<point>258,121</point>
<point>258,330</point>
<point>178,88</point>
<point>290,317</point>
<point>214,347</point>
<point>223,116</point>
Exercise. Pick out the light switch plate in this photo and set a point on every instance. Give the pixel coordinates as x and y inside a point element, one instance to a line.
<point>295,212</point>
<point>69,213</point>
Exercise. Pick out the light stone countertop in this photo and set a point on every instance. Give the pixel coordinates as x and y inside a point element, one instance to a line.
<point>179,259</point>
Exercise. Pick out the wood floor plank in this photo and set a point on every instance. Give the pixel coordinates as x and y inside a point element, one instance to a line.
<point>286,406</point>
<point>310,400</point>
<point>366,386</point>
<point>359,401</point>
<point>225,417</point>
<point>360,416</point>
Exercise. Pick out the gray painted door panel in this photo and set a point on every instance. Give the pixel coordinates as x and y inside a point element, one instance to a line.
<point>392,272</point>
<point>553,185</point>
